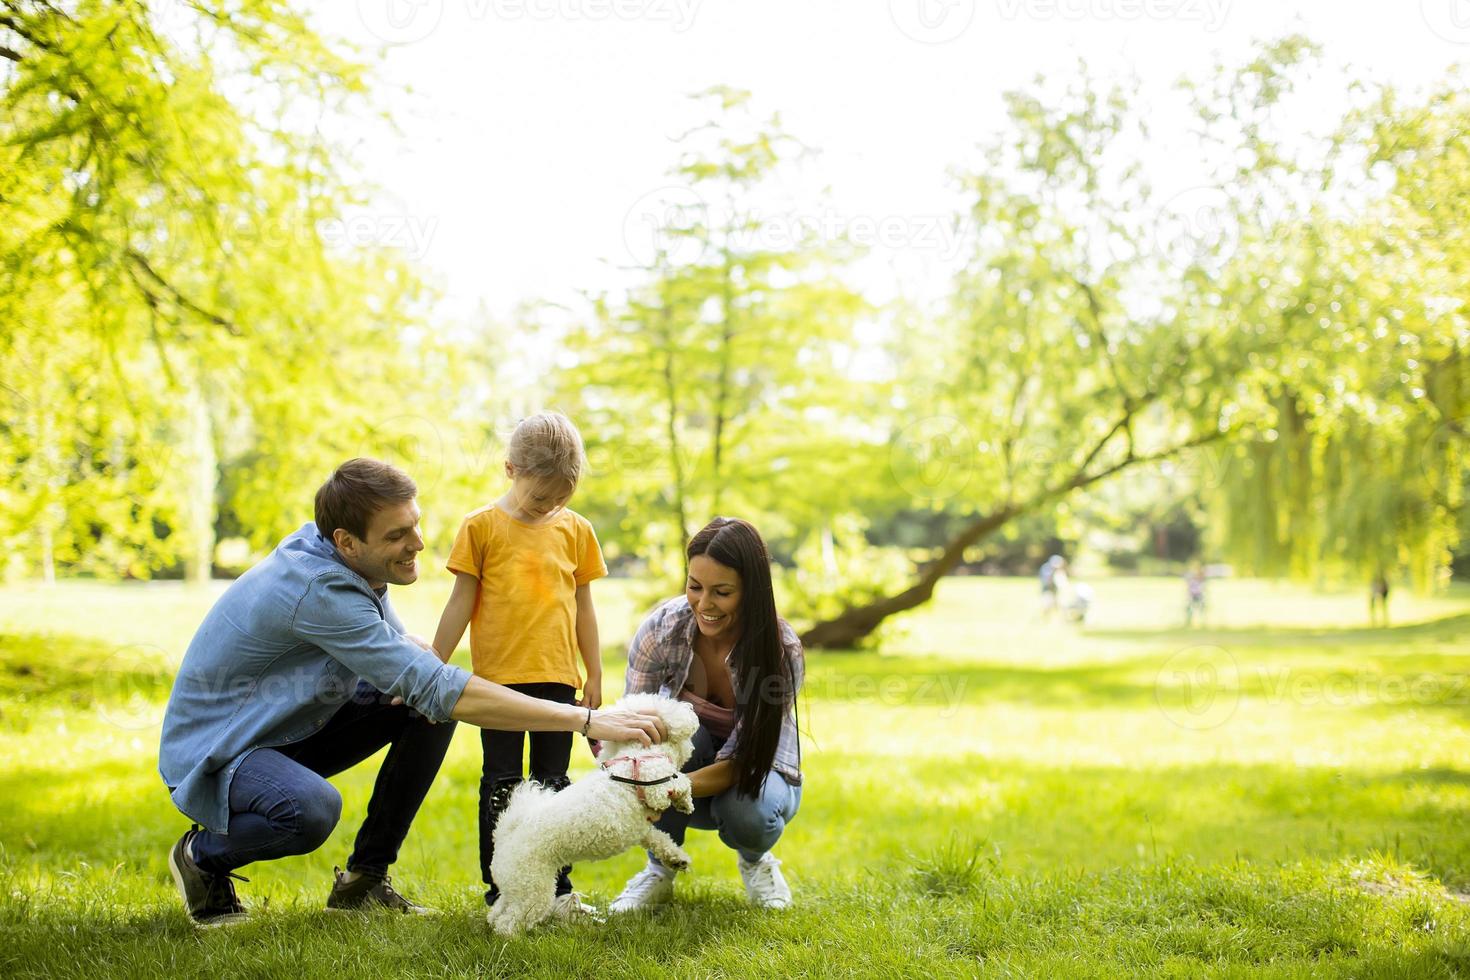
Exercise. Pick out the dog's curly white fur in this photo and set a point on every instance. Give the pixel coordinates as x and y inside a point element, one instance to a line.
<point>595,818</point>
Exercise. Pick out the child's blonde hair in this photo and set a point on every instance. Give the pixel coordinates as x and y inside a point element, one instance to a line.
<point>547,445</point>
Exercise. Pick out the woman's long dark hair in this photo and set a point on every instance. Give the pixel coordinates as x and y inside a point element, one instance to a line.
<point>764,683</point>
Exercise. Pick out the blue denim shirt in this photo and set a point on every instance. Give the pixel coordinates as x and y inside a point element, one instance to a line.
<point>279,653</point>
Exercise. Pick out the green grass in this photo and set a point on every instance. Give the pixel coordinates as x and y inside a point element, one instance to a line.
<point>1283,793</point>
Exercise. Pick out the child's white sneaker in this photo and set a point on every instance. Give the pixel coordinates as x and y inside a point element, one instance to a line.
<point>764,884</point>
<point>648,889</point>
<point>571,908</point>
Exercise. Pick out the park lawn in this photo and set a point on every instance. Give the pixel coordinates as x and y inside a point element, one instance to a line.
<point>988,794</point>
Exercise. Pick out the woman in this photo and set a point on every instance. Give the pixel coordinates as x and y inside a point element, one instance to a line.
<point>722,648</point>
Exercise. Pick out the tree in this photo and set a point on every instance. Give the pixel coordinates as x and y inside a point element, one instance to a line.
<point>1362,471</point>
<point>171,303</point>
<point>708,387</point>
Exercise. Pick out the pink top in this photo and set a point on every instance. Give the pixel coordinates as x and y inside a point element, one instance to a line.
<point>718,719</point>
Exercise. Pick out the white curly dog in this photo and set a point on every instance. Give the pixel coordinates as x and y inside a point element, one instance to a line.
<point>599,816</point>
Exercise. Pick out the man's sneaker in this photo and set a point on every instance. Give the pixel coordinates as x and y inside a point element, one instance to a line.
<point>764,885</point>
<point>370,892</point>
<point>648,889</point>
<point>571,908</point>
<point>210,898</point>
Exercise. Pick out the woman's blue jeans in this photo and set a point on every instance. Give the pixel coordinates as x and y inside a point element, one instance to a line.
<point>748,826</point>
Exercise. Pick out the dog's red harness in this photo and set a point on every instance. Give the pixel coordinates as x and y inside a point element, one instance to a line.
<point>634,780</point>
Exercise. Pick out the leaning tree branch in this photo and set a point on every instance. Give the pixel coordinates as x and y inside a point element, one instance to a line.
<point>856,622</point>
<point>178,298</point>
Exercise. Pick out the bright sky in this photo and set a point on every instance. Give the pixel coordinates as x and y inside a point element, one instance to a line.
<point>537,133</point>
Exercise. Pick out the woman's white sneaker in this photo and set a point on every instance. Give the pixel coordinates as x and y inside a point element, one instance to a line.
<point>648,889</point>
<point>764,884</point>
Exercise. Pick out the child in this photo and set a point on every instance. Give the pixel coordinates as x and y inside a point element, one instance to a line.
<point>1194,587</point>
<point>522,572</point>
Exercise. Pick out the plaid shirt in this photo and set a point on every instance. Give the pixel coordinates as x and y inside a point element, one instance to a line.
<point>662,652</point>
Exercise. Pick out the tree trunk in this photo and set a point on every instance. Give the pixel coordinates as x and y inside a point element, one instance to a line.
<point>671,398</point>
<point>851,625</point>
<point>202,477</point>
<point>722,386</point>
<point>51,514</point>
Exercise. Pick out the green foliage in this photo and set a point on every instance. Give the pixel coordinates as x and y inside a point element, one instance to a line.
<point>717,386</point>
<point>172,303</point>
<point>834,568</point>
<point>1357,464</point>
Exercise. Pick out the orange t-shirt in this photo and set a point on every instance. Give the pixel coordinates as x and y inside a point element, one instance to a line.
<point>524,626</point>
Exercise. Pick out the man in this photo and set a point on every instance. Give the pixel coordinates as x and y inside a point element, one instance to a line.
<point>302,669</point>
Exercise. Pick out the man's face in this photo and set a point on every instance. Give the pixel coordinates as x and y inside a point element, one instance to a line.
<point>389,555</point>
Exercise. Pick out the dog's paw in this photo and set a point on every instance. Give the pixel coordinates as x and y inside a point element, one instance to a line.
<point>678,861</point>
<point>684,804</point>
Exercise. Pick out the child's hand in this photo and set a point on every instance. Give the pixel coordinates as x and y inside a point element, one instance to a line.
<point>591,694</point>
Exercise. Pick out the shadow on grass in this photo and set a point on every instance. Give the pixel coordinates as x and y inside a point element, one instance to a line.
<point>1449,629</point>
<point>75,673</point>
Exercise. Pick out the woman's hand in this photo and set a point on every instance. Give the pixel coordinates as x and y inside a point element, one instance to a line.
<point>623,725</point>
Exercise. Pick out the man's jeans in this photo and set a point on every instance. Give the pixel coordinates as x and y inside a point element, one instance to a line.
<point>750,827</point>
<point>282,804</point>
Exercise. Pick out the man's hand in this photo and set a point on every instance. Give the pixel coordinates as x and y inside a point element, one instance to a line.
<point>622,725</point>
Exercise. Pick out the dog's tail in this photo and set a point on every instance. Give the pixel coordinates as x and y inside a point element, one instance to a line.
<point>522,803</point>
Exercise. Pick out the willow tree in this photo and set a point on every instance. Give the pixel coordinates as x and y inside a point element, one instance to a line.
<point>171,304</point>
<point>1086,337</point>
<point>1363,468</point>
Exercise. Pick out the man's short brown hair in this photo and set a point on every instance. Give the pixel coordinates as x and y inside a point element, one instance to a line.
<point>356,491</point>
